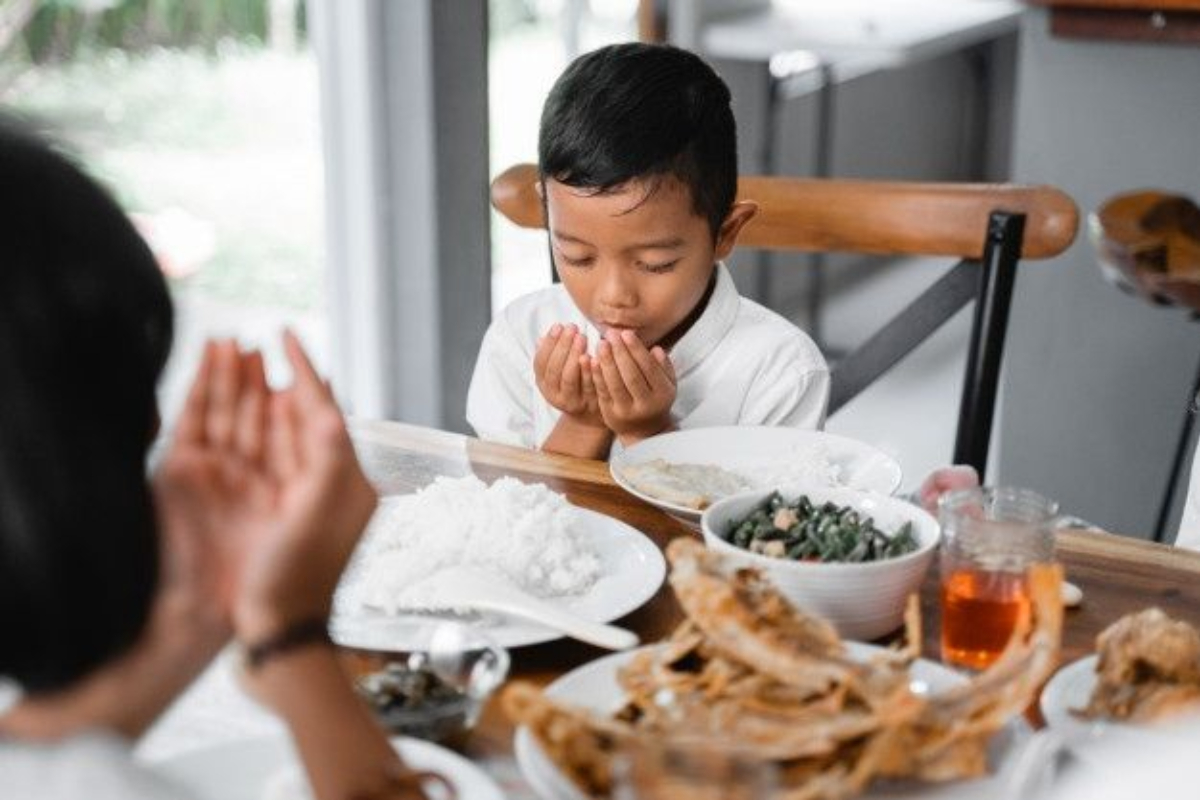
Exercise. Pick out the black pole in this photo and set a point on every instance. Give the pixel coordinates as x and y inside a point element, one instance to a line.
<point>998,272</point>
<point>822,168</point>
<point>1185,437</point>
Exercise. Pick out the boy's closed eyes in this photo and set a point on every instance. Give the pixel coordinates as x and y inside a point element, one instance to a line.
<point>587,261</point>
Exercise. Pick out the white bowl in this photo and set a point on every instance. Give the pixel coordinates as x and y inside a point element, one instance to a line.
<point>864,601</point>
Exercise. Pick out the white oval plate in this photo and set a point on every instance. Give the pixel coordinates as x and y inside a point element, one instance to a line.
<point>1070,687</point>
<point>594,685</point>
<point>632,569</point>
<point>248,769</point>
<point>748,447</point>
<point>1095,741</point>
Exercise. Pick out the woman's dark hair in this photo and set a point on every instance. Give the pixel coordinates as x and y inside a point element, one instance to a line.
<point>642,111</point>
<point>85,329</point>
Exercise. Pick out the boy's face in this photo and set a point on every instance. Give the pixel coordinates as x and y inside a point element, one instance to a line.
<point>632,261</point>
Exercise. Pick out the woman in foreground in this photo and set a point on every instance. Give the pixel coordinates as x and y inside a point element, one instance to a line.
<point>117,589</point>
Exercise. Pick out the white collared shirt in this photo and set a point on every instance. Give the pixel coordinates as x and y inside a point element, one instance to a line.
<point>739,364</point>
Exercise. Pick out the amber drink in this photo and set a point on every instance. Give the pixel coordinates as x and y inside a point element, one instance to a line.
<point>990,538</point>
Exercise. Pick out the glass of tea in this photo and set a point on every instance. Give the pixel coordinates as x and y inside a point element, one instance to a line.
<point>990,538</point>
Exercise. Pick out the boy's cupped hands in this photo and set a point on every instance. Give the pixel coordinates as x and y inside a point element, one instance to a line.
<point>626,387</point>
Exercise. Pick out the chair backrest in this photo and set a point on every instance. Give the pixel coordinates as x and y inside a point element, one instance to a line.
<point>989,227</point>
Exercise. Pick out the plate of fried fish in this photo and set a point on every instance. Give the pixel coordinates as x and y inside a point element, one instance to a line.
<point>747,670</point>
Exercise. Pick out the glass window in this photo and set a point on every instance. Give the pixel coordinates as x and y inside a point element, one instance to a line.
<point>203,118</point>
<point>530,44</point>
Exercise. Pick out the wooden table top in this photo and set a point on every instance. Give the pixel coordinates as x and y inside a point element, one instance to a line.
<point>1117,574</point>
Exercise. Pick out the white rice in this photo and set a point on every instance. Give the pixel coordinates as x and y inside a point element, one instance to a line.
<point>810,465</point>
<point>523,532</point>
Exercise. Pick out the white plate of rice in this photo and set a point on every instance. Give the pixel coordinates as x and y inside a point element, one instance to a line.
<point>593,565</point>
<point>683,472</point>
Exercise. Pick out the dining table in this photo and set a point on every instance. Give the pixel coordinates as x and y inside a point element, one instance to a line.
<point>1118,575</point>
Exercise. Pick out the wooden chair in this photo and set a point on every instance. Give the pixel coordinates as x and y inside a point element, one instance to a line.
<point>988,227</point>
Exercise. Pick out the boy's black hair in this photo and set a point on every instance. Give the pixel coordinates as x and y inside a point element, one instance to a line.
<point>642,111</point>
<point>85,329</point>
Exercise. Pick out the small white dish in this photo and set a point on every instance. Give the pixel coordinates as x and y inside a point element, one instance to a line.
<point>747,449</point>
<point>464,665</point>
<point>267,767</point>
<point>632,570</point>
<point>594,685</point>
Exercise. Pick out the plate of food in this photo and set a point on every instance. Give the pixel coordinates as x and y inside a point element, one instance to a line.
<point>596,685</point>
<point>267,768</point>
<point>748,671</point>
<point>684,472</point>
<point>526,535</point>
<point>1146,671</point>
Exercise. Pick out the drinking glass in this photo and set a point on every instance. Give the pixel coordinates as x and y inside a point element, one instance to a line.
<point>692,770</point>
<point>990,538</point>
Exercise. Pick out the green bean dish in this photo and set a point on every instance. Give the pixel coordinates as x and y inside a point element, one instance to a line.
<point>803,531</point>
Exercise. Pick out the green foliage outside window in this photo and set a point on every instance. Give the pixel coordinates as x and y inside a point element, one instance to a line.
<point>60,29</point>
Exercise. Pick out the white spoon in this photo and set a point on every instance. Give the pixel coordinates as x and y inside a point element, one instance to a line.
<point>465,588</point>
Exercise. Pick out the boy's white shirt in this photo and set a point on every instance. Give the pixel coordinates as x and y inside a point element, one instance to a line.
<point>739,364</point>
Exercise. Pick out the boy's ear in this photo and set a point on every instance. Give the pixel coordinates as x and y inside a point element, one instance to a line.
<point>742,212</point>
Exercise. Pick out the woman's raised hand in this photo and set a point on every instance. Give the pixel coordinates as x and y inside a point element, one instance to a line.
<point>269,482</point>
<point>260,494</point>
<point>321,500</point>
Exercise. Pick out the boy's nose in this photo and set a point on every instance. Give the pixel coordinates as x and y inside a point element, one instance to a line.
<point>616,289</point>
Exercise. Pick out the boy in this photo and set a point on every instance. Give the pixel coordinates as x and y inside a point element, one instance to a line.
<point>638,172</point>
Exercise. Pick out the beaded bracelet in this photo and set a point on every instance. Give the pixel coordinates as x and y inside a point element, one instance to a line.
<point>314,630</point>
